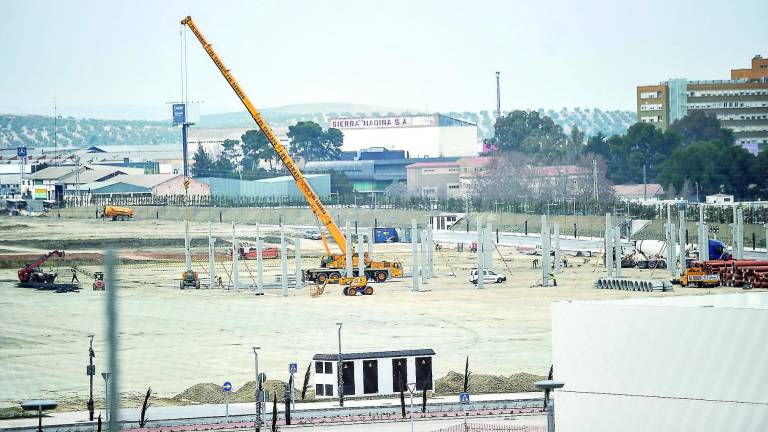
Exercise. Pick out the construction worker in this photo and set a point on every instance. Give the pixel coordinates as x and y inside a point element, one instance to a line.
<point>554,279</point>
<point>74,276</point>
<point>535,263</point>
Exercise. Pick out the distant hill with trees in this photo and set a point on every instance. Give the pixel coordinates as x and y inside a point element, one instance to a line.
<point>37,130</point>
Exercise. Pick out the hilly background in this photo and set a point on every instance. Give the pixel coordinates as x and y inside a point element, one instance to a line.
<point>37,130</point>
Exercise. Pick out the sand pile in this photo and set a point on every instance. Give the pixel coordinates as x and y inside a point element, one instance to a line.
<point>202,393</point>
<point>453,382</point>
<point>213,393</point>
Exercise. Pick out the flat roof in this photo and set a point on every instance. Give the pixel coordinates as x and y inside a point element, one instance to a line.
<point>375,355</point>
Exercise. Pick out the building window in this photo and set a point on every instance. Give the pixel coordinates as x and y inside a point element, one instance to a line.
<point>328,367</point>
<point>319,390</point>
<point>318,367</point>
<point>329,389</point>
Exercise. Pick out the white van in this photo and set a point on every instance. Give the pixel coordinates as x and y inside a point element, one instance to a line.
<point>489,276</point>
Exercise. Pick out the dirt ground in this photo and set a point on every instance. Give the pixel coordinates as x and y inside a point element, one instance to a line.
<point>171,339</point>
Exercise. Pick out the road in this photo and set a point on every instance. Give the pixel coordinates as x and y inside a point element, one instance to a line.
<point>190,417</point>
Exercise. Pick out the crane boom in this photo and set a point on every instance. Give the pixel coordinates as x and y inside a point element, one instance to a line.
<point>301,182</point>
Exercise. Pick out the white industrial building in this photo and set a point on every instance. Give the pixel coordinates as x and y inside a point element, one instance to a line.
<point>686,363</point>
<point>373,373</point>
<point>424,135</point>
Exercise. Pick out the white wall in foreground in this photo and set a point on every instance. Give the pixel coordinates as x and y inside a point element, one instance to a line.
<point>645,366</point>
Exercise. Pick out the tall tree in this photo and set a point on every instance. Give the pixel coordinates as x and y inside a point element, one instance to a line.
<point>229,146</point>
<point>530,133</point>
<point>224,168</point>
<point>714,166</point>
<point>699,126</point>
<point>202,163</point>
<point>597,144</point>
<point>644,145</point>
<point>256,148</point>
<point>309,141</point>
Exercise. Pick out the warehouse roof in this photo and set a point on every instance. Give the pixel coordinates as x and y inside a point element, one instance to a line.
<point>375,354</point>
<point>143,180</point>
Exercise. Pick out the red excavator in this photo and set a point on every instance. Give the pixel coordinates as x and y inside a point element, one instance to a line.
<point>32,276</point>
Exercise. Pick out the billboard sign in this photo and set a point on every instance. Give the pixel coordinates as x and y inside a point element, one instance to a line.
<point>383,122</point>
<point>179,114</point>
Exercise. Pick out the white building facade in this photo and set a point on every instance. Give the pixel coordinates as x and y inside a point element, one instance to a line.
<point>685,363</point>
<point>374,373</point>
<point>426,135</point>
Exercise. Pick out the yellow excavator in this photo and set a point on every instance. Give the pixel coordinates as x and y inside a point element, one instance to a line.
<point>331,265</point>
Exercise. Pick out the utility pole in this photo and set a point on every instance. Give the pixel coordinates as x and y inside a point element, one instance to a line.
<point>594,178</point>
<point>645,186</point>
<point>498,95</point>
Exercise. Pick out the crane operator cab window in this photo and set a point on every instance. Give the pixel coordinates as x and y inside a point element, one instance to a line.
<point>324,261</point>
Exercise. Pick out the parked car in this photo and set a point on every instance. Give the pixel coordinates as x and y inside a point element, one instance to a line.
<point>489,276</point>
<point>312,234</point>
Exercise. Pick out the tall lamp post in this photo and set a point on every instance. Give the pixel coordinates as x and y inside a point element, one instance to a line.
<point>338,370</point>
<point>90,371</point>
<point>548,386</point>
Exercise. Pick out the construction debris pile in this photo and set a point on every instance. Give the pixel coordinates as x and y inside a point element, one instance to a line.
<point>740,273</point>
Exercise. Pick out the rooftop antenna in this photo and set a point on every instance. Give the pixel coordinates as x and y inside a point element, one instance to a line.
<point>498,95</point>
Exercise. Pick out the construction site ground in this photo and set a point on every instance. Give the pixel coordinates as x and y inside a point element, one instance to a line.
<point>171,339</point>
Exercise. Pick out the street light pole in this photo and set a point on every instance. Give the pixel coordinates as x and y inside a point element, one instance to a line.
<point>257,421</point>
<point>91,372</point>
<point>549,386</point>
<point>338,370</point>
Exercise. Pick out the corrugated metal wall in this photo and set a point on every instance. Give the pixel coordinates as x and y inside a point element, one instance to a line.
<point>267,188</point>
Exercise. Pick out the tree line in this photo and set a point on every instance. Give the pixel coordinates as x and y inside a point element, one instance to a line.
<point>253,157</point>
<point>694,154</point>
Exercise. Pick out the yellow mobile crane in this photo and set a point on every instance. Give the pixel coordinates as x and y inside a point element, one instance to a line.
<point>331,264</point>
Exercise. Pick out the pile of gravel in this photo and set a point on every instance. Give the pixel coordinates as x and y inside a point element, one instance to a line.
<point>202,393</point>
<point>482,383</point>
<point>214,394</point>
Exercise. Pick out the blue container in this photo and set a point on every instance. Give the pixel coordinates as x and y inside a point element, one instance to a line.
<point>385,235</point>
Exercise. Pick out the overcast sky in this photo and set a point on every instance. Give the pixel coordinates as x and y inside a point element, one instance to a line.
<point>421,55</point>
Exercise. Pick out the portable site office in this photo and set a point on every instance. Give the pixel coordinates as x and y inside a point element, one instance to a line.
<point>374,373</point>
